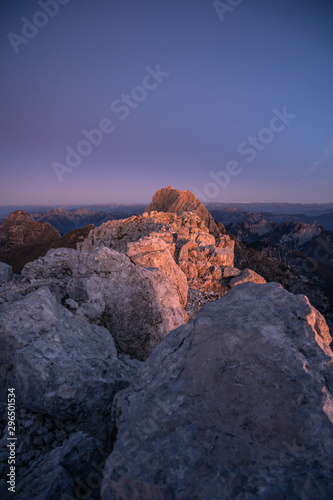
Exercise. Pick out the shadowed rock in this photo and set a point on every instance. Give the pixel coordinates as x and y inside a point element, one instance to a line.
<point>59,364</point>
<point>236,404</point>
<point>69,471</point>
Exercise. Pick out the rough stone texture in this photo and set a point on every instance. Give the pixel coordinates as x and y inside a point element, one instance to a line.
<point>194,250</point>
<point>153,252</point>
<point>73,469</point>
<point>176,201</point>
<point>247,276</point>
<point>236,404</point>
<point>59,364</point>
<point>138,305</point>
<point>6,273</point>
<point>229,272</point>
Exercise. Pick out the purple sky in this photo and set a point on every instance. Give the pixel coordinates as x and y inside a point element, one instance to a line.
<point>221,78</point>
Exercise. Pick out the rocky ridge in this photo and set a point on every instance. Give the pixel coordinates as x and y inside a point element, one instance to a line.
<point>237,403</point>
<point>199,255</point>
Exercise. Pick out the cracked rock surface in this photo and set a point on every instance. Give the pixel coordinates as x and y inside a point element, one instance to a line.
<point>235,404</point>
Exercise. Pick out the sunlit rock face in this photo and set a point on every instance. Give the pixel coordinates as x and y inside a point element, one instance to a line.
<point>176,201</point>
<point>199,255</point>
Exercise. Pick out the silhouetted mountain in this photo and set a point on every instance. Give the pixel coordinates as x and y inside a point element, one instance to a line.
<point>67,220</point>
<point>23,240</point>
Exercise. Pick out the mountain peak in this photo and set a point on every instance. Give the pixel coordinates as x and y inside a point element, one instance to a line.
<point>18,218</point>
<point>176,201</point>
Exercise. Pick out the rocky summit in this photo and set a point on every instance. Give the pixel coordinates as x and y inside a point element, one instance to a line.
<point>201,256</point>
<point>147,366</point>
<point>176,201</point>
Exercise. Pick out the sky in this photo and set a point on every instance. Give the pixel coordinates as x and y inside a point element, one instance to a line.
<point>108,101</point>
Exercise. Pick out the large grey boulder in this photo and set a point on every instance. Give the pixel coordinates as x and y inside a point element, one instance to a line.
<point>236,404</point>
<point>138,305</point>
<point>59,364</point>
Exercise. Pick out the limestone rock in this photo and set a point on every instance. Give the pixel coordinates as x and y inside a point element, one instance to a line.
<point>229,272</point>
<point>222,257</point>
<point>246,276</point>
<point>194,250</point>
<point>138,305</point>
<point>153,252</point>
<point>59,364</point>
<point>176,201</point>
<point>236,404</point>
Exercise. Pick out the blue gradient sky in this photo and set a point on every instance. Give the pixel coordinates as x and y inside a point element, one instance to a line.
<point>225,80</point>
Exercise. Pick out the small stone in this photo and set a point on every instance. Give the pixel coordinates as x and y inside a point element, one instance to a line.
<point>26,457</point>
<point>28,423</point>
<point>41,431</point>
<point>38,441</point>
<point>72,304</point>
<point>34,427</point>
<point>60,435</point>
<point>49,437</point>
<point>70,427</point>
<point>49,424</point>
<point>229,272</point>
<point>59,424</point>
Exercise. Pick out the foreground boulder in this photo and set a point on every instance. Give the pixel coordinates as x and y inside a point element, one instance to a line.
<point>138,305</point>
<point>59,364</point>
<point>237,404</point>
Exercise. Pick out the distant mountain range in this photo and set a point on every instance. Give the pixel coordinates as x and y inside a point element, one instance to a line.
<point>250,214</point>
<point>68,219</point>
<point>309,209</point>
